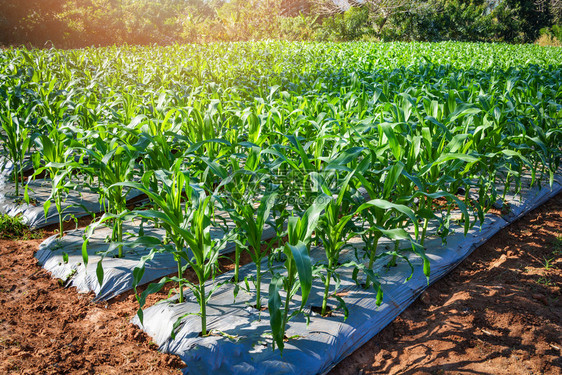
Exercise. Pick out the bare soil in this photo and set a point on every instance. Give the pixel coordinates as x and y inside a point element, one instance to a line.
<point>48,329</point>
<point>499,312</point>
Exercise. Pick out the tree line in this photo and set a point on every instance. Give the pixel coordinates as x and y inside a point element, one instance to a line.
<point>79,23</point>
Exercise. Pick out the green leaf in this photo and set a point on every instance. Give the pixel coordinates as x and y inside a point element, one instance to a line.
<point>85,251</point>
<point>276,311</point>
<point>99,272</point>
<point>386,205</point>
<point>304,269</point>
<point>46,206</point>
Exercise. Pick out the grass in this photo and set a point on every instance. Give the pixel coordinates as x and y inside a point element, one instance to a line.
<point>547,265</point>
<point>546,40</point>
<point>13,228</point>
<point>545,281</point>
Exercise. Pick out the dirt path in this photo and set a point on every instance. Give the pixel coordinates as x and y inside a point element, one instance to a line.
<point>48,329</point>
<point>499,312</point>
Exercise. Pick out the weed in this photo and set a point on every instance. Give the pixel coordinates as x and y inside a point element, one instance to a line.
<point>547,265</point>
<point>545,281</point>
<point>13,228</point>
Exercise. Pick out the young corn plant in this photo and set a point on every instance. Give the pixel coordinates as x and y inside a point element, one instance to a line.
<point>239,186</point>
<point>56,157</point>
<point>252,223</point>
<point>202,125</point>
<point>385,218</point>
<point>335,228</point>
<point>432,188</point>
<point>16,139</point>
<point>297,267</point>
<point>112,157</point>
<point>188,226</point>
<point>293,168</point>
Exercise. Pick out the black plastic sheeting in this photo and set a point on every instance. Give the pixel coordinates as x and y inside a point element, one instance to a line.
<point>76,204</point>
<point>118,272</point>
<point>241,342</point>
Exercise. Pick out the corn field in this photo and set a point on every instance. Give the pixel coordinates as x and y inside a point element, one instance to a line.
<point>322,143</point>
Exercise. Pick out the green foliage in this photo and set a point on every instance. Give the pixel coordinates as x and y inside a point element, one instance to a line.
<point>31,22</point>
<point>353,24</point>
<point>551,36</point>
<point>16,139</point>
<point>557,31</point>
<point>78,23</point>
<point>529,17</point>
<point>456,20</point>
<point>13,228</point>
<point>512,21</point>
<point>323,142</point>
<point>300,28</point>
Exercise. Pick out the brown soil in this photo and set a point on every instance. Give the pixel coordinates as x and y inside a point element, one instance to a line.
<point>498,313</point>
<point>47,329</point>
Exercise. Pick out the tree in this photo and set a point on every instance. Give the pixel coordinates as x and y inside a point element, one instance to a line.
<point>552,6</point>
<point>30,22</point>
<point>529,18</point>
<point>556,10</point>
<point>292,8</point>
<point>380,11</point>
